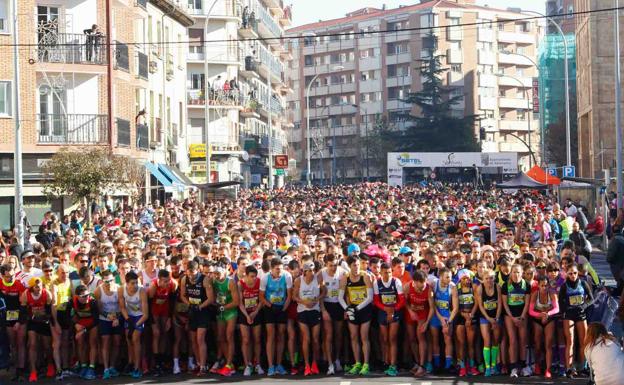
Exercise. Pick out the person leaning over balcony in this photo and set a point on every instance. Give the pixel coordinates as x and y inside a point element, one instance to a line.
<point>93,42</point>
<point>245,17</point>
<point>141,120</point>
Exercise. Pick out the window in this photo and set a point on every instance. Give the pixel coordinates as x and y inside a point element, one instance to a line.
<point>501,93</point>
<point>457,92</point>
<point>502,47</point>
<point>4,16</point>
<point>308,60</point>
<point>520,72</point>
<point>308,41</point>
<point>364,54</point>
<point>520,114</point>
<point>523,27</point>
<point>5,98</point>
<point>519,94</point>
<point>197,81</point>
<point>570,11</point>
<point>488,114</point>
<point>335,58</point>
<point>501,27</point>
<point>521,50</point>
<point>456,67</point>
<point>392,70</point>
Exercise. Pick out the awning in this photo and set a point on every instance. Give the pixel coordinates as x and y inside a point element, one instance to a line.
<point>538,174</point>
<point>155,171</point>
<point>182,177</point>
<point>164,169</point>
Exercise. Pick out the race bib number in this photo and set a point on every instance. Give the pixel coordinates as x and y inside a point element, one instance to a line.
<point>221,298</point>
<point>388,299</point>
<point>277,299</point>
<point>333,293</point>
<point>195,301</point>
<point>516,299</point>
<point>466,300</point>
<point>356,297</point>
<point>442,305</point>
<point>160,301</point>
<point>490,305</point>
<point>181,307</point>
<point>12,315</point>
<point>134,307</point>
<point>62,306</point>
<point>251,303</point>
<point>576,300</point>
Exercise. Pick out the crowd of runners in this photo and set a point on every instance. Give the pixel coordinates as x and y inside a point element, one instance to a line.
<point>354,279</point>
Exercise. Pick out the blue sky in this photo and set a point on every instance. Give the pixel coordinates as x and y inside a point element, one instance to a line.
<point>308,11</point>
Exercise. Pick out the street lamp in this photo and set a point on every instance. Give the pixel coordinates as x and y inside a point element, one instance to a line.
<point>566,80</point>
<point>206,92</point>
<point>541,111</point>
<point>528,110</point>
<point>309,160</point>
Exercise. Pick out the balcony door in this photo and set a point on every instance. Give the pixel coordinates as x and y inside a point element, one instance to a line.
<point>48,29</point>
<point>52,114</point>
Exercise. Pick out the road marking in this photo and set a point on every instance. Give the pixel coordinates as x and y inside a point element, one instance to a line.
<point>345,382</point>
<point>425,383</point>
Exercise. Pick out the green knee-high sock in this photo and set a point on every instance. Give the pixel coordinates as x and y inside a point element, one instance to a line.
<point>494,355</point>
<point>487,356</point>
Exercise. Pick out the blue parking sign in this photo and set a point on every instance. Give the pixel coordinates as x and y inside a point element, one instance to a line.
<point>552,171</point>
<point>569,172</point>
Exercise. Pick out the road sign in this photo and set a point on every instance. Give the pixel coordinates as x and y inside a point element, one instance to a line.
<point>279,171</point>
<point>280,161</point>
<point>552,171</point>
<point>569,172</point>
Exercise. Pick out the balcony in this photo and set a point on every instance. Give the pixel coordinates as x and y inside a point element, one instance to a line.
<point>518,125</point>
<point>123,132</point>
<point>122,61</point>
<point>516,37</point>
<point>218,99</point>
<point>513,147</point>
<point>142,66</point>
<point>485,34</point>
<point>512,82</point>
<point>250,68</point>
<point>514,59</point>
<point>70,48</point>
<point>142,136</point>
<point>141,3</point>
<point>286,18</point>
<point>455,78</point>
<point>487,102</point>
<point>249,28</point>
<point>486,57</point>
<point>487,80</point>
<point>72,129</point>
<point>267,26</point>
<point>223,9</point>
<point>270,66</point>
<point>454,33</point>
<point>219,54</point>
<point>454,56</point>
<point>515,103</point>
<point>170,67</point>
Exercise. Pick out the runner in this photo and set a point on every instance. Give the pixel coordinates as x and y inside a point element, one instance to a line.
<point>161,294</point>
<point>332,313</point>
<point>61,292</point>
<point>226,297</point>
<point>446,309</point>
<point>86,334</point>
<point>515,294</point>
<point>419,310</point>
<point>466,323</point>
<point>544,305</point>
<point>109,322</point>
<point>389,300</point>
<point>356,298</point>
<point>12,290</point>
<point>275,295</point>
<point>250,320</point>
<point>308,295</point>
<point>490,304</point>
<point>134,309</point>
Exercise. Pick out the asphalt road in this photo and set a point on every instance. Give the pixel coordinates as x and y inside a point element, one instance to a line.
<point>374,379</point>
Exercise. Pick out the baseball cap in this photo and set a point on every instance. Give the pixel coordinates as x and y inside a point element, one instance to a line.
<point>405,250</point>
<point>353,248</point>
<point>308,266</point>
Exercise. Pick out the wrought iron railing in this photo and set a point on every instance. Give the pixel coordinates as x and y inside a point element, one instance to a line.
<point>72,128</point>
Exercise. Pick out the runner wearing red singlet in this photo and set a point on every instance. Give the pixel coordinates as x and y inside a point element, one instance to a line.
<point>161,293</point>
<point>250,319</point>
<point>180,318</point>
<point>418,313</point>
<point>11,289</point>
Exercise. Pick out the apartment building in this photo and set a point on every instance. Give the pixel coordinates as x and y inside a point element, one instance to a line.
<point>78,86</point>
<point>238,43</point>
<point>595,84</point>
<point>360,67</point>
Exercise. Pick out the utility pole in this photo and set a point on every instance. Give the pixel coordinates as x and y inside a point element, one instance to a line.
<point>19,193</point>
<point>618,112</point>
<point>270,144</point>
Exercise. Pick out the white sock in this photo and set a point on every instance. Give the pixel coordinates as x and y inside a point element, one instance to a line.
<point>176,362</point>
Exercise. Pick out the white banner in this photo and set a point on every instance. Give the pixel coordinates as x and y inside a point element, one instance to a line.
<point>507,161</point>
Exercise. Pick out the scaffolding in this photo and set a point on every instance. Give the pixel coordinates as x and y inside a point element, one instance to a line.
<point>552,78</point>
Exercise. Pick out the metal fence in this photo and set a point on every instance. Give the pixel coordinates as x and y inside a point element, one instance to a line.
<point>142,65</point>
<point>72,128</point>
<point>142,135</point>
<point>122,61</point>
<point>123,132</point>
<point>71,48</point>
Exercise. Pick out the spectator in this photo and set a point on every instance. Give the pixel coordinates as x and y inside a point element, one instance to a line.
<point>615,258</point>
<point>93,43</point>
<point>604,355</point>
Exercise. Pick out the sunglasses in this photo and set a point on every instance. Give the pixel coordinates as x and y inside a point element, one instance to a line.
<point>47,271</point>
<point>109,280</point>
<point>84,261</point>
<point>541,267</point>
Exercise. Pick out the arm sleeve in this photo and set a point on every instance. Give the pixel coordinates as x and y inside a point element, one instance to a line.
<point>400,302</point>
<point>377,302</point>
<point>555,309</point>
<point>368,300</point>
<point>590,296</point>
<point>532,311</point>
<point>341,300</point>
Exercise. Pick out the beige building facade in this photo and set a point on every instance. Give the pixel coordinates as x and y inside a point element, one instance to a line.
<point>364,64</point>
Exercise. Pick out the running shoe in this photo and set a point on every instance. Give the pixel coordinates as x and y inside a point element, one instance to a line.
<point>136,373</point>
<point>113,372</point>
<point>33,376</point>
<point>473,371</point>
<point>547,374</point>
<point>59,375</point>
<point>90,374</point>
<point>514,373</point>
<point>83,372</point>
<point>259,370</point>
<point>203,371</point>
<point>68,373</point>
<point>248,371</point>
<point>307,371</point>
<point>391,371</point>
<point>355,369</point>
<point>106,375</point>
<point>488,372</point>
<point>314,368</point>
<point>365,370</point>
<point>293,371</point>
<point>526,371</point>
<point>279,369</point>
<point>176,369</point>
<point>337,366</point>
<point>331,370</point>
<point>226,371</point>
<point>216,367</point>
<point>571,373</point>
<point>428,367</point>
<point>51,371</point>
<point>271,371</point>
<point>420,372</point>
<point>537,369</point>
<point>462,372</point>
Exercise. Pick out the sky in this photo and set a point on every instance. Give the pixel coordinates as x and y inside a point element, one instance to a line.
<point>309,11</point>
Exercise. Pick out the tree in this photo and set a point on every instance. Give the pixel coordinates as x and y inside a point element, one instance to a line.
<point>86,174</point>
<point>435,128</point>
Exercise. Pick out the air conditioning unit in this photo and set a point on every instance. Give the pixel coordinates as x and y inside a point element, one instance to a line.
<point>153,66</point>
